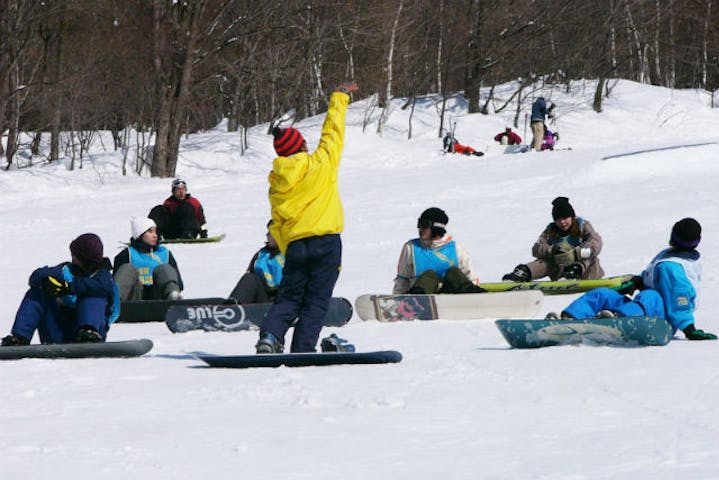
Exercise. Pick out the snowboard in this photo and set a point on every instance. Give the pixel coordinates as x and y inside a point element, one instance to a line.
<point>302,359</point>
<point>463,306</point>
<point>155,310</point>
<point>559,287</point>
<point>620,331</point>
<point>234,318</point>
<point>128,348</point>
<point>216,238</point>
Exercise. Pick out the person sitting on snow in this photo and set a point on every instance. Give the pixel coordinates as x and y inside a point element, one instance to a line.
<point>181,215</point>
<point>451,145</point>
<point>146,270</point>
<point>72,302</point>
<point>508,137</point>
<point>261,281</point>
<point>669,287</point>
<point>568,247</point>
<point>433,262</point>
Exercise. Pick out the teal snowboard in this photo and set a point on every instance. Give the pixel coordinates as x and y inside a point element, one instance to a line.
<point>621,331</point>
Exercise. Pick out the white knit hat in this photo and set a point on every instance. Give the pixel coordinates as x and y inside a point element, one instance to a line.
<point>140,225</point>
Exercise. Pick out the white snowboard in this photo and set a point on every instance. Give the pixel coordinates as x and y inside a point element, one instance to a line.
<point>467,306</point>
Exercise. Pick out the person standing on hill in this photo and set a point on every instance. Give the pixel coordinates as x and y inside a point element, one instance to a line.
<point>568,247</point>
<point>669,287</point>
<point>540,112</point>
<point>307,219</point>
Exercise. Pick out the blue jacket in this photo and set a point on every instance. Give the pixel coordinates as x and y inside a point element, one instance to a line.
<point>676,275</point>
<point>99,283</point>
<point>540,110</point>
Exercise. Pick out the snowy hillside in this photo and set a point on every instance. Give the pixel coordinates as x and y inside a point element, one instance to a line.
<point>461,404</point>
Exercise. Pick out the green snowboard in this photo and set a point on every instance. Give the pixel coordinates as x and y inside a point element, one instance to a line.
<point>559,287</point>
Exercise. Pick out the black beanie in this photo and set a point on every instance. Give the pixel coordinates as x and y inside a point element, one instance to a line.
<point>561,208</point>
<point>434,218</point>
<point>87,248</point>
<point>686,234</point>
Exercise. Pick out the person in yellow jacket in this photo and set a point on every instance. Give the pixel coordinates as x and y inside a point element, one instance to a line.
<point>307,220</point>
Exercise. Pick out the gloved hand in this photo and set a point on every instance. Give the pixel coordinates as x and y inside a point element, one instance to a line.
<point>56,287</point>
<point>203,233</point>
<point>565,259</point>
<point>692,333</point>
<point>628,287</point>
<point>348,87</point>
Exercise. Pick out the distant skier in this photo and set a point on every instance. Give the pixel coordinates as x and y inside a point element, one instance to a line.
<point>508,137</point>
<point>451,145</point>
<point>568,247</point>
<point>181,215</point>
<point>260,283</point>
<point>72,302</point>
<point>540,112</point>
<point>307,219</point>
<point>669,287</point>
<point>550,139</point>
<point>434,262</point>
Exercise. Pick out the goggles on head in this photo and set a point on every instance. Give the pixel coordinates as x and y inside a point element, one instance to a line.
<point>427,223</point>
<point>176,183</point>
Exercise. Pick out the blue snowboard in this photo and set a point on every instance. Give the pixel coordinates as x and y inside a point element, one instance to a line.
<point>301,359</point>
<point>621,331</point>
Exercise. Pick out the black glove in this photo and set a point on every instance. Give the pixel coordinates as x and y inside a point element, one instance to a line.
<point>203,233</point>
<point>628,287</point>
<point>692,333</point>
<point>56,287</point>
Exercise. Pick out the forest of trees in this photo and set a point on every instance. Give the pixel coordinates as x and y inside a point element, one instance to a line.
<point>70,68</point>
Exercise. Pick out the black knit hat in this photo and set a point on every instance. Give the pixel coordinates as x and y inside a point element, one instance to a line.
<point>686,234</point>
<point>87,248</point>
<point>434,218</point>
<point>561,208</point>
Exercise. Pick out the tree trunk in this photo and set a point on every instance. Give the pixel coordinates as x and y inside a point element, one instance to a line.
<point>473,81</point>
<point>597,105</point>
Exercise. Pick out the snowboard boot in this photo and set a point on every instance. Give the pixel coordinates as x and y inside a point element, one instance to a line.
<point>520,274</point>
<point>14,341</point>
<point>87,334</point>
<point>268,343</point>
<point>174,295</point>
<point>333,343</point>
<point>573,271</point>
<point>606,314</point>
<point>552,316</point>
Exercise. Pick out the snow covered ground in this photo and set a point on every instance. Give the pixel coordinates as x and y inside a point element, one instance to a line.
<point>461,405</point>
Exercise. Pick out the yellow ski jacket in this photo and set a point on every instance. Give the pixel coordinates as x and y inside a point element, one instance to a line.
<point>304,193</point>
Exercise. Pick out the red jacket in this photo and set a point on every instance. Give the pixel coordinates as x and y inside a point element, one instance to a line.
<point>512,138</point>
<point>172,203</point>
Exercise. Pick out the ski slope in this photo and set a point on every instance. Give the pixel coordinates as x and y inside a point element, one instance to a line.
<point>461,405</point>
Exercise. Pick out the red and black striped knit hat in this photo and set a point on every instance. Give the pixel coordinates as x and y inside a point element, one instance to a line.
<point>288,141</point>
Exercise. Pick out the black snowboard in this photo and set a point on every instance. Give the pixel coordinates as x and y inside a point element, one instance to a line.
<point>234,318</point>
<point>128,348</point>
<point>155,310</point>
<point>301,359</point>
